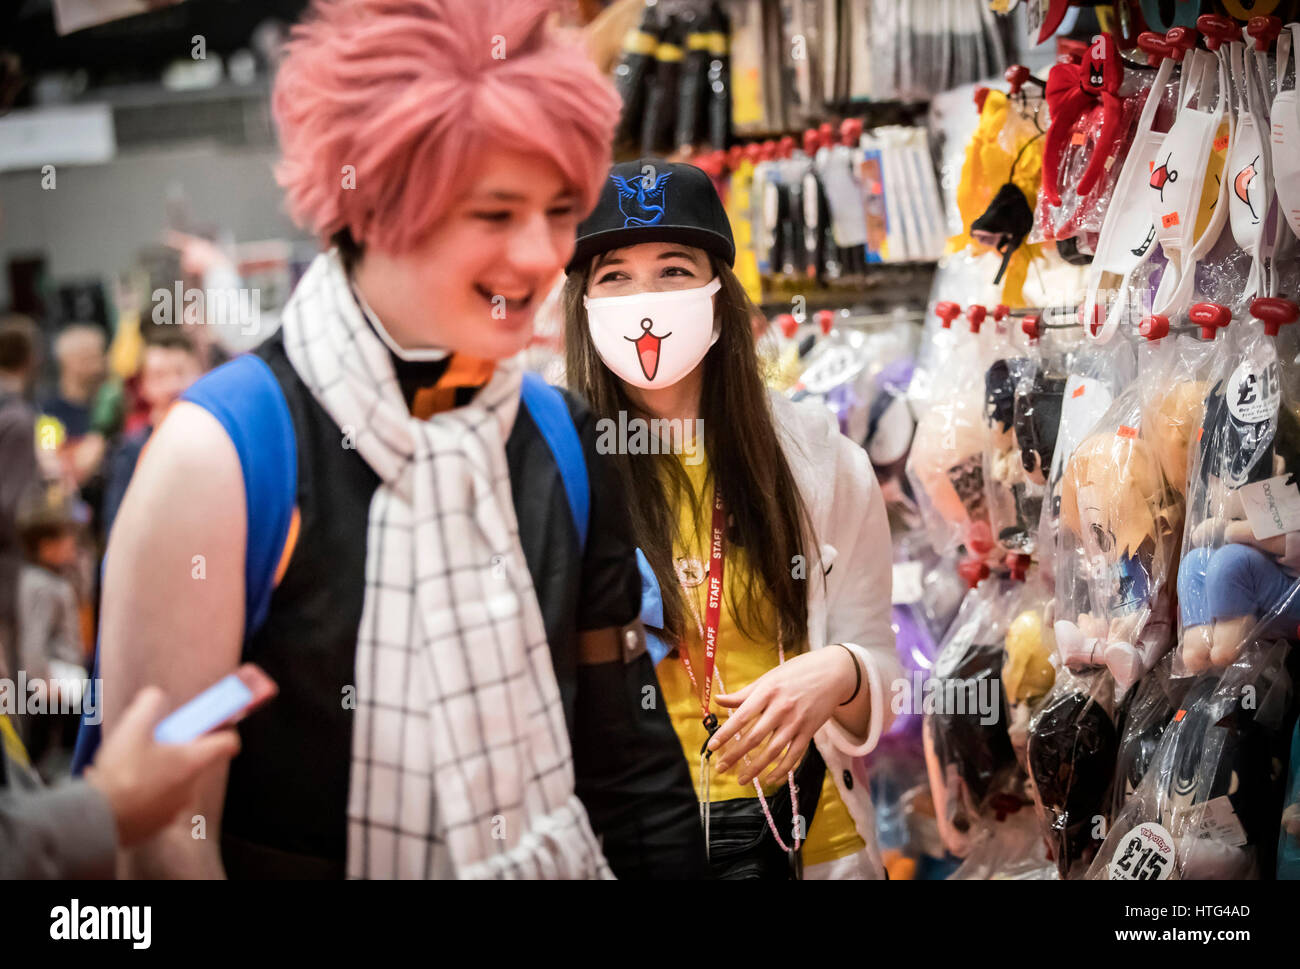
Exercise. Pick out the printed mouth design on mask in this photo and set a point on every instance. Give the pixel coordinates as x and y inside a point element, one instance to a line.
<point>1146,244</point>
<point>1162,176</point>
<point>1241,185</point>
<point>647,348</point>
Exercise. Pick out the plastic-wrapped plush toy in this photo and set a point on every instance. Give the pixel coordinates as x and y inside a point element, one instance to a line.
<point>1126,521</point>
<point>1093,106</point>
<point>1014,500</point>
<point>1146,712</point>
<point>1027,671</point>
<point>1072,748</point>
<point>1242,545</point>
<point>946,466</point>
<point>972,767</point>
<point>1209,805</point>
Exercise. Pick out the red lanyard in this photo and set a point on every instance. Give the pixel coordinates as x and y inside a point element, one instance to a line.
<point>712,613</point>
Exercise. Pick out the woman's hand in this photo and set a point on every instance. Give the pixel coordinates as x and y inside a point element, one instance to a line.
<point>788,704</point>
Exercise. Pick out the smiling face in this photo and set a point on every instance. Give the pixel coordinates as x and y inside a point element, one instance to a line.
<point>474,283</point>
<point>651,267</point>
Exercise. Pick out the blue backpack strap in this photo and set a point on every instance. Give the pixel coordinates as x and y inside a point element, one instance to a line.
<point>551,415</point>
<point>245,398</point>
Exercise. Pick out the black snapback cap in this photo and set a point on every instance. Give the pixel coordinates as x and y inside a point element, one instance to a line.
<point>652,200</point>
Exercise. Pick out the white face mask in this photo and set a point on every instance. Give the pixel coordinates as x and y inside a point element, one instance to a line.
<point>1128,234</point>
<point>653,340</point>
<point>1187,188</point>
<point>1249,185</point>
<point>1286,134</point>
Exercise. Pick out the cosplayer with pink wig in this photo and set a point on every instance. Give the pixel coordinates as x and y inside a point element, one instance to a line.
<point>418,542</point>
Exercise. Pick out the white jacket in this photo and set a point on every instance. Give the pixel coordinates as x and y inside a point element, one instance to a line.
<point>849,594</point>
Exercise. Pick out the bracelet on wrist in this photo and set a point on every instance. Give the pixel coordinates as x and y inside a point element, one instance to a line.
<point>857,668</point>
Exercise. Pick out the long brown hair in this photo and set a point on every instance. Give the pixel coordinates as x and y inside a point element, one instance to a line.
<point>768,518</point>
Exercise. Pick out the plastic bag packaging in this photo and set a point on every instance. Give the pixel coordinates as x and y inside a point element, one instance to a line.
<point>1121,522</point>
<point>1208,807</point>
<point>1143,717</point>
<point>1241,547</point>
<point>972,767</point>
<point>1127,235</point>
<point>1072,749</point>
<point>1094,375</point>
<point>1010,850</point>
<point>946,464</point>
<point>1023,400</point>
<point>1027,671</point>
<point>1095,107</point>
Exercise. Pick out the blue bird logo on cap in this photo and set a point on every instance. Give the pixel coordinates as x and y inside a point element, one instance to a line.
<point>640,200</point>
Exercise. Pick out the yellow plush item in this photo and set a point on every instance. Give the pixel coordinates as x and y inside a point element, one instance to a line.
<point>988,166</point>
<point>1026,672</point>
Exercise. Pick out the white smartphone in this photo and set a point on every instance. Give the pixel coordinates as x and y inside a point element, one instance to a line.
<point>227,701</point>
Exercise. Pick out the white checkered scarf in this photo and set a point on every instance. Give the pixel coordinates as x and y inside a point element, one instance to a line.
<point>460,759</point>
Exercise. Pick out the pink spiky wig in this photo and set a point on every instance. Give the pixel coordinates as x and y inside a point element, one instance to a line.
<point>411,92</point>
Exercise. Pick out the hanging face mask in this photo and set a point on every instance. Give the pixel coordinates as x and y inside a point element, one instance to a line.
<point>653,340</point>
<point>1128,235</point>
<point>1249,176</point>
<point>1187,186</point>
<point>1285,117</point>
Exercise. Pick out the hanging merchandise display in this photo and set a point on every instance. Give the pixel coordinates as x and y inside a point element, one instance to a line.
<point>1188,189</point>
<point>1143,718</point>
<point>1089,452</point>
<point>974,776</point>
<point>1093,105</point>
<point>1071,755</point>
<point>1238,561</point>
<point>1123,520</point>
<point>999,183</point>
<point>1209,805</point>
<point>1128,235</point>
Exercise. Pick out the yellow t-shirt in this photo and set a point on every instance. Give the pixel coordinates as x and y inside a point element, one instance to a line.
<point>740,660</point>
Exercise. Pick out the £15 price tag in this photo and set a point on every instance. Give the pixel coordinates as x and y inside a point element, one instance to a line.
<point>1144,854</point>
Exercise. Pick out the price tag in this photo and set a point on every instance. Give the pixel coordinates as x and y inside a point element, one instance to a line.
<point>1144,854</point>
<point>907,583</point>
<point>1254,391</point>
<point>1272,506</point>
<point>1217,820</point>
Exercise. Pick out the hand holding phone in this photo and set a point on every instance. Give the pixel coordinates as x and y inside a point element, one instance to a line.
<point>224,703</point>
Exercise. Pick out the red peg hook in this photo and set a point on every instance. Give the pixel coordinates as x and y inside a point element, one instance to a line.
<point>947,311</point>
<point>1031,326</point>
<point>788,325</point>
<point>1264,31</point>
<point>825,320</point>
<point>1180,41</point>
<point>1154,327</point>
<point>1210,317</point>
<point>1218,29</point>
<point>976,314</point>
<point>974,571</point>
<point>1274,313</point>
<point>1018,564</point>
<point>1154,46</point>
